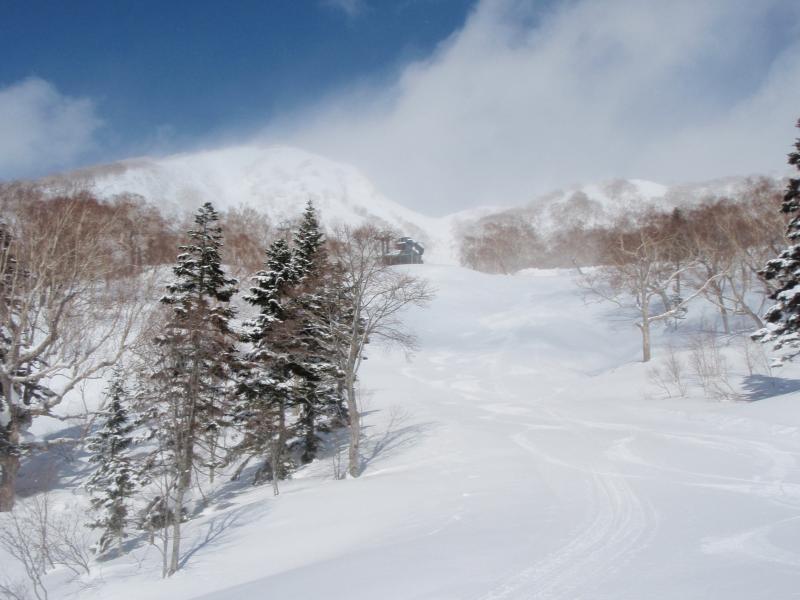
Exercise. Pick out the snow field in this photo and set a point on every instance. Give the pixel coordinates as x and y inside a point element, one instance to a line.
<point>523,453</point>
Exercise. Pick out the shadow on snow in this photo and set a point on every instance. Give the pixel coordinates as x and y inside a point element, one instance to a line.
<point>761,387</point>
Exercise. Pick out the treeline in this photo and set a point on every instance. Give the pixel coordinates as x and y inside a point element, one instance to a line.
<point>134,232</point>
<point>577,235</point>
<point>208,380</point>
<point>653,263</point>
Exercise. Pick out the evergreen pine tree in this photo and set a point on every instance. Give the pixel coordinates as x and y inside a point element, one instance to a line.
<point>291,388</point>
<point>112,484</point>
<point>269,375</point>
<point>190,386</point>
<point>270,290</point>
<point>309,251</point>
<point>783,318</point>
<point>317,301</point>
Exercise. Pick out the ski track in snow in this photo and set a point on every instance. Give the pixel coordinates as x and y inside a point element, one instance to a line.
<point>756,545</point>
<point>617,526</point>
<point>620,524</point>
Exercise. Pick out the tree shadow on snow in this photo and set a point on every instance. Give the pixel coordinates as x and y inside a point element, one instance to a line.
<point>57,466</point>
<point>397,436</point>
<point>761,387</point>
<point>216,529</point>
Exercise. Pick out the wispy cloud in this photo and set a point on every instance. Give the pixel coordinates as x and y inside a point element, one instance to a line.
<point>42,129</point>
<point>351,8</point>
<point>521,101</point>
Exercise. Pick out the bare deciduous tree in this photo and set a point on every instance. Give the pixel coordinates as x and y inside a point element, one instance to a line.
<point>376,295</point>
<point>40,538</point>
<point>640,272</point>
<point>59,317</point>
<point>247,232</point>
<point>710,367</point>
<point>503,244</point>
<point>670,376</point>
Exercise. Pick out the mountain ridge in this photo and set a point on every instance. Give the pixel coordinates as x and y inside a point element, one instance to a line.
<point>278,181</point>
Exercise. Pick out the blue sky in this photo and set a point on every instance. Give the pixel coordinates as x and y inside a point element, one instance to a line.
<point>167,73</point>
<point>443,104</point>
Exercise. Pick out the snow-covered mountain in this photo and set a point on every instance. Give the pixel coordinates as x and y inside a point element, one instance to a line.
<point>276,180</point>
<point>603,202</point>
<point>279,180</point>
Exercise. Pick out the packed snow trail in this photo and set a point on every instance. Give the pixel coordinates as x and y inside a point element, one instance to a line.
<point>519,455</point>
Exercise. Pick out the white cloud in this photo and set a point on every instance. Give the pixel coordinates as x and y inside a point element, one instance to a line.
<point>351,8</point>
<point>522,100</point>
<point>42,129</point>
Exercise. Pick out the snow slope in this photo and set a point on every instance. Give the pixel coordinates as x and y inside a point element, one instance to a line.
<point>522,454</point>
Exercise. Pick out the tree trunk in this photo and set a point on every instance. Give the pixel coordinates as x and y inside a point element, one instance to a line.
<point>164,553</point>
<point>756,319</point>
<point>183,483</point>
<point>276,454</point>
<point>184,443</point>
<point>645,327</point>
<point>741,303</point>
<point>354,456</point>
<point>212,450</point>
<point>309,424</point>
<point>723,313</point>
<point>9,467</point>
<point>276,490</point>
<point>9,458</point>
<point>175,554</point>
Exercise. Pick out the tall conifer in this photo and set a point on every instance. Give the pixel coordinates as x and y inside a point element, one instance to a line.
<point>269,377</point>
<point>783,318</point>
<point>114,481</point>
<point>190,386</point>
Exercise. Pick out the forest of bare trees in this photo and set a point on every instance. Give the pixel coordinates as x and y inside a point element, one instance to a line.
<point>649,263</point>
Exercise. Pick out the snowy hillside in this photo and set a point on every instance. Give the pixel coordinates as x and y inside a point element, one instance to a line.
<point>279,180</point>
<point>276,180</point>
<point>524,453</point>
<point>602,202</point>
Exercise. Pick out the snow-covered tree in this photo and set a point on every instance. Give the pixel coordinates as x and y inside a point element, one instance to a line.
<point>783,318</point>
<point>54,269</point>
<point>115,479</point>
<point>190,385</point>
<point>270,373</point>
<point>18,398</point>
<point>309,251</point>
<point>640,276</point>
<point>373,295</point>
<point>319,299</point>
